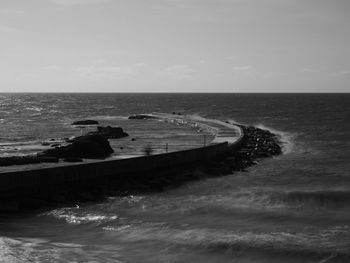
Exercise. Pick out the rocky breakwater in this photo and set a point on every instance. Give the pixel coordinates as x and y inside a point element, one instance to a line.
<point>257,144</point>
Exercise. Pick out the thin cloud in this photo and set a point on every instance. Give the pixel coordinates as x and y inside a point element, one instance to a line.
<point>178,72</point>
<point>5,11</point>
<point>78,2</point>
<point>8,29</point>
<point>244,71</point>
<point>341,73</point>
<point>140,64</point>
<point>51,67</point>
<point>242,68</point>
<point>231,57</point>
<point>110,71</point>
<point>250,71</point>
<point>310,70</point>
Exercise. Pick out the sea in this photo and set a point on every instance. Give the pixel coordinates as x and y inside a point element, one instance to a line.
<point>294,207</point>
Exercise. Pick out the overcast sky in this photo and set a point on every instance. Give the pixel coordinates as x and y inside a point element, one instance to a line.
<point>174,45</point>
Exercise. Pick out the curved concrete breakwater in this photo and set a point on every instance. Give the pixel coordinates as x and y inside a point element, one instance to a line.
<point>233,148</point>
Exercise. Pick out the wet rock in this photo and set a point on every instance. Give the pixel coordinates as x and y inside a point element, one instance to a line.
<point>85,122</point>
<point>30,203</point>
<point>87,146</point>
<point>141,117</point>
<point>10,205</point>
<point>60,198</point>
<point>109,132</point>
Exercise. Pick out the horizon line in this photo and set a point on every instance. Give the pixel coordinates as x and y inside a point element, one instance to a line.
<point>161,92</point>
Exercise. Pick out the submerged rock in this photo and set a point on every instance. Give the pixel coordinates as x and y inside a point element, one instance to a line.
<point>85,122</point>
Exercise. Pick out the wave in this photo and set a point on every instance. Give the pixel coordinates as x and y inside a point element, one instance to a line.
<point>262,203</point>
<point>321,244</point>
<point>77,217</point>
<point>295,199</point>
<point>319,198</point>
<point>34,108</point>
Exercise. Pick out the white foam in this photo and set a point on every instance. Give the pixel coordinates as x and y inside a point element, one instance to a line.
<point>77,217</point>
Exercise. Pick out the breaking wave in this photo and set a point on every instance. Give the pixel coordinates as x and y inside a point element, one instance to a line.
<point>319,198</point>
<point>76,217</point>
<point>320,244</point>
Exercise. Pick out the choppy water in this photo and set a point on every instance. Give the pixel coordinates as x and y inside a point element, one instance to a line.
<point>291,208</point>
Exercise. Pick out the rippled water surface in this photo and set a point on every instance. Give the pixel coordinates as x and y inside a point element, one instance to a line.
<point>290,208</point>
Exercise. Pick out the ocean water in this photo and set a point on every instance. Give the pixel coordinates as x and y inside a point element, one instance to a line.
<point>290,208</point>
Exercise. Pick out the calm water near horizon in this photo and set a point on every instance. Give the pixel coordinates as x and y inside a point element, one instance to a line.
<point>290,208</point>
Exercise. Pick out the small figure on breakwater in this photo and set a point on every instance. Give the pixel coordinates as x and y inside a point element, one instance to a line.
<point>148,150</point>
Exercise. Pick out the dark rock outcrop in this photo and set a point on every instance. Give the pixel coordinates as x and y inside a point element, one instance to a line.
<point>141,117</point>
<point>87,146</point>
<point>85,122</point>
<point>109,132</point>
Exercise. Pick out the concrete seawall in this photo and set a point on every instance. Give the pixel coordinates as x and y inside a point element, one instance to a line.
<point>22,183</point>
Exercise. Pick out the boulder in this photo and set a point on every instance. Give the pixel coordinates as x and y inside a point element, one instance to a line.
<point>109,132</point>
<point>86,146</point>
<point>85,122</point>
<point>141,117</point>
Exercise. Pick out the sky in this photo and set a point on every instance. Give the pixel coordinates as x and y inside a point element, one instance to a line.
<point>174,46</point>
